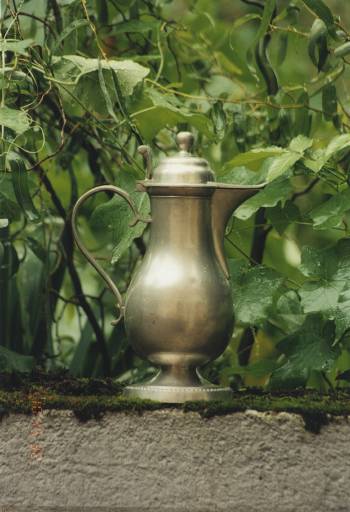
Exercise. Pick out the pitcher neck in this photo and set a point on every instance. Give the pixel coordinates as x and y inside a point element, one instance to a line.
<point>181,222</point>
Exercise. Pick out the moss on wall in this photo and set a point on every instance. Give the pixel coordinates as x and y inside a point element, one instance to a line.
<point>92,398</point>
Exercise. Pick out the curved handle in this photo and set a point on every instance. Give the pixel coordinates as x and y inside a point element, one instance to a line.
<point>88,255</point>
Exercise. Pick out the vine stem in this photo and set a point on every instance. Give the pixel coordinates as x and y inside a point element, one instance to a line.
<point>93,28</point>
<point>161,53</point>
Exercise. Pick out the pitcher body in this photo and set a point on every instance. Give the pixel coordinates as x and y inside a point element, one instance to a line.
<point>178,309</point>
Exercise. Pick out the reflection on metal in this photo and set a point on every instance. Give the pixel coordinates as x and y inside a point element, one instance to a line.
<point>178,309</point>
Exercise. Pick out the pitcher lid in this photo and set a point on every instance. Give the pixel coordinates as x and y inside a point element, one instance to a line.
<point>183,168</point>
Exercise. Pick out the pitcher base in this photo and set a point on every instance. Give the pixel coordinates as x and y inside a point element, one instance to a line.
<point>178,394</point>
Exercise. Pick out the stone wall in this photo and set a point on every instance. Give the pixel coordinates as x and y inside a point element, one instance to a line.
<point>169,460</point>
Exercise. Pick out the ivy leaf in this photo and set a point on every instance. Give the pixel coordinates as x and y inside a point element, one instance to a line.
<point>241,176</point>
<point>331,213</point>
<point>271,195</point>
<point>107,98</point>
<point>281,216</point>
<point>283,159</point>
<point>257,370</point>
<point>284,162</point>
<point>328,270</point>
<point>288,314</point>
<point>306,350</point>
<point>132,232</point>
<point>342,312</point>
<point>255,156</point>
<point>75,66</point>
<point>114,217</point>
<point>246,284</point>
<point>16,120</point>
<point>300,144</point>
<point>335,149</point>
<point>155,112</point>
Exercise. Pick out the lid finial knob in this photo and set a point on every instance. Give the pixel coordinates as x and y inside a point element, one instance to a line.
<point>145,152</point>
<point>185,141</point>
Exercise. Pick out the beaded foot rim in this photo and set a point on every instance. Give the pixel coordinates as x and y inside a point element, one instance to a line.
<point>178,394</point>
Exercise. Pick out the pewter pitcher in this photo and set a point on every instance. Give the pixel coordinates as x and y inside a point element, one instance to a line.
<point>178,310</point>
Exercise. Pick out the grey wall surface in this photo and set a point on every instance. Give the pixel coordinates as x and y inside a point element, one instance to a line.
<point>173,461</point>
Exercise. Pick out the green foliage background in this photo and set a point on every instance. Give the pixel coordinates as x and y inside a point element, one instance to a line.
<point>265,88</point>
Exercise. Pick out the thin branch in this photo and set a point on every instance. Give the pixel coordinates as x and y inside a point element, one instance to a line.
<point>68,248</point>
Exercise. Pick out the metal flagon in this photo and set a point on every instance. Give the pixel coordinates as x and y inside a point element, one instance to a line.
<point>178,309</point>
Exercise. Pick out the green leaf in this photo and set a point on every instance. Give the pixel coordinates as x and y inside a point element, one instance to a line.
<point>331,213</point>
<point>16,120</point>
<point>317,46</point>
<point>271,195</point>
<point>300,144</point>
<point>338,144</point>
<point>105,92</point>
<point>320,9</point>
<point>269,8</point>
<point>341,312</point>
<point>247,285</point>
<point>329,101</point>
<point>328,270</point>
<point>302,117</point>
<point>72,27</point>
<point>11,361</point>
<point>242,20</point>
<point>288,314</point>
<point>9,262</point>
<point>156,112</point>
<point>306,350</point>
<point>259,369</point>
<point>113,218</point>
<point>129,73</point>
<point>282,164</point>
<point>21,189</point>
<point>241,176</point>
<point>342,50</point>
<point>218,117</point>
<point>282,50</point>
<point>282,216</point>
<point>336,148</point>
<point>101,7</point>
<point>8,208</point>
<point>253,157</point>
<point>15,46</point>
<point>135,26</point>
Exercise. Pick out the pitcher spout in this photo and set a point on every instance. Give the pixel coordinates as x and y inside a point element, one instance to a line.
<point>225,200</point>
